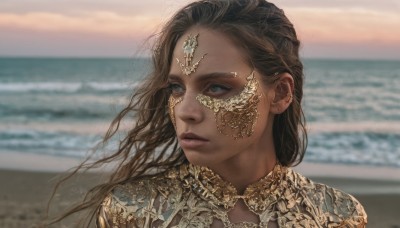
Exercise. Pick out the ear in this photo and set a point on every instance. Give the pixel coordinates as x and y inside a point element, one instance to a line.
<point>283,93</point>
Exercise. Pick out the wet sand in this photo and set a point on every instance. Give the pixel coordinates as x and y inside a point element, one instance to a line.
<point>24,195</point>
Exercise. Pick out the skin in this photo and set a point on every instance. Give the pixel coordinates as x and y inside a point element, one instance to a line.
<point>239,161</point>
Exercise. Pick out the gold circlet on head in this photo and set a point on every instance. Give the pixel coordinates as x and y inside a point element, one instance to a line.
<point>189,47</point>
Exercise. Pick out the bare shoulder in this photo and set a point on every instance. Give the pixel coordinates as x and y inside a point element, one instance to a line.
<point>338,207</point>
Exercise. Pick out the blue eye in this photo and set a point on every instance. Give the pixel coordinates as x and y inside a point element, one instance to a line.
<point>217,90</point>
<point>176,88</point>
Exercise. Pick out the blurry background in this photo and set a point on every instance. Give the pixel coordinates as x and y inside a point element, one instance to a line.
<point>67,67</point>
<point>365,29</point>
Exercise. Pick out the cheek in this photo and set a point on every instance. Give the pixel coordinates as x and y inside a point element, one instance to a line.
<point>237,115</point>
<point>238,122</point>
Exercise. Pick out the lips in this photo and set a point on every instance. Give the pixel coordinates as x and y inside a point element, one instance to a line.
<point>190,136</point>
<point>191,141</point>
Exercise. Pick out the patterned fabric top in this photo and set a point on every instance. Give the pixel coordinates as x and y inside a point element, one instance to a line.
<point>194,196</point>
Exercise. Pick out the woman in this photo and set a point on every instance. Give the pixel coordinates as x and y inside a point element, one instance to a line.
<point>219,123</point>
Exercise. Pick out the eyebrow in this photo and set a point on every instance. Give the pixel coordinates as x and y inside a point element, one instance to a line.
<point>205,77</point>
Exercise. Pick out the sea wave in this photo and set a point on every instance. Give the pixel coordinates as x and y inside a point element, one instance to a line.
<point>50,114</point>
<point>53,143</point>
<point>65,87</point>
<point>367,148</point>
<point>60,106</point>
<point>346,127</point>
<point>100,126</point>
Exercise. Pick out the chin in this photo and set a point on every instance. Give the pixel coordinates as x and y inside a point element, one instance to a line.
<point>200,160</point>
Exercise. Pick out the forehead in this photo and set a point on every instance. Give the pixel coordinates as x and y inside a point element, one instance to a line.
<point>220,52</point>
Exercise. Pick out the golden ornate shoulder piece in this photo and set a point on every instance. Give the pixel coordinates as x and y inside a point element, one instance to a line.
<point>193,196</point>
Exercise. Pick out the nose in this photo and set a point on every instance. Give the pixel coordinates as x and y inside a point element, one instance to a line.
<point>189,109</point>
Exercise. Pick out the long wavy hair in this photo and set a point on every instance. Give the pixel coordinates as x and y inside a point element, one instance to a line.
<point>270,43</point>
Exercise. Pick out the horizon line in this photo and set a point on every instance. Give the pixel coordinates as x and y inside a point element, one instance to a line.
<point>148,57</point>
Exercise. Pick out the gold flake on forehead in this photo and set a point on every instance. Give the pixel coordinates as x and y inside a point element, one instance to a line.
<point>235,116</point>
<point>172,102</point>
<point>189,47</point>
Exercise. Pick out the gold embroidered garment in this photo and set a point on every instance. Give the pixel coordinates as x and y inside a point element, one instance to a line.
<point>194,196</point>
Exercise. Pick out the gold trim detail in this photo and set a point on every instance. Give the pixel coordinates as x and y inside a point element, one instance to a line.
<point>195,196</point>
<point>172,102</point>
<point>189,47</point>
<point>235,116</point>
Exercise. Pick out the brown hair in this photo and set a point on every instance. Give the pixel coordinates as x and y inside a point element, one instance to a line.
<point>270,42</point>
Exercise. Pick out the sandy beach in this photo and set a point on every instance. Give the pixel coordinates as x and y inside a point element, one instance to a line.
<point>24,193</point>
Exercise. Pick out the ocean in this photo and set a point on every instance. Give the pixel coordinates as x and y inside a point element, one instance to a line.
<point>62,106</point>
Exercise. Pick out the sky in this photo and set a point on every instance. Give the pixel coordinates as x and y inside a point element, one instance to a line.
<point>357,29</point>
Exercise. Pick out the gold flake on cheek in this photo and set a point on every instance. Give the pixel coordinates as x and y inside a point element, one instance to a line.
<point>235,116</point>
<point>172,102</point>
<point>189,47</point>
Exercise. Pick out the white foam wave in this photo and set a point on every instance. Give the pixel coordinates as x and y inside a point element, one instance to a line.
<point>42,86</point>
<point>101,127</point>
<point>375,127</point>
<point>81,128</point>
<point>68,87</point>
<point>109,86</point>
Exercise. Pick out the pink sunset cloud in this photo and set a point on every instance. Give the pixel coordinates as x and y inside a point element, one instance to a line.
<point>103,22</point>
<point>323,29</point>
<point>345,25</point>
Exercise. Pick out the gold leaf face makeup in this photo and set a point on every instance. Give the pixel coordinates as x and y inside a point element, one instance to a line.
<point>235,116</point>
<point>189,47</point>
<point>172,102</point>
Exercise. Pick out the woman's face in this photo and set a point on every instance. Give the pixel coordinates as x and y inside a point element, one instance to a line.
<point>218,104</point>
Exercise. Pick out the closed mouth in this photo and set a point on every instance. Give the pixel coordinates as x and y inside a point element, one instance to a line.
<point>191,136</point>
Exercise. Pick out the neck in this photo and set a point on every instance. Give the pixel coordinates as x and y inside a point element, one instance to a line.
<point>247,167</point>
